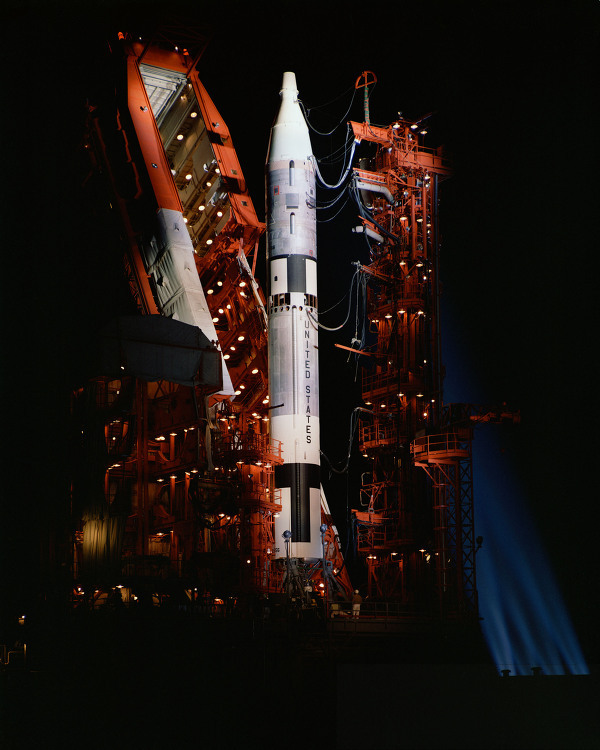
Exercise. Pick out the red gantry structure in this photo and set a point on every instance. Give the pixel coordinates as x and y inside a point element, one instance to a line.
<point>414,526</point>
<point>416,537</point>
<point>175,493</point>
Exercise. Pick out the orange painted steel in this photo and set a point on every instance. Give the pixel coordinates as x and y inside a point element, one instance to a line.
<point>195,473</point>
<point>149,139</point>
<point>399,530</point>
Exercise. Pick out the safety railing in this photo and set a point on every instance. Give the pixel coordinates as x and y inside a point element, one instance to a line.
<point>369,610</point>
<point>448,445</point>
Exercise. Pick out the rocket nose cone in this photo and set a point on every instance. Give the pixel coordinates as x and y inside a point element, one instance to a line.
<point>289,88</point>
<point>289,135</point>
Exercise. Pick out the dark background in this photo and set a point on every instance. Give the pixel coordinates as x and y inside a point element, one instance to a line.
<point>513,88</point>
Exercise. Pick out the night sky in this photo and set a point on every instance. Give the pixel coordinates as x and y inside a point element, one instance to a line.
<point>512,86</point>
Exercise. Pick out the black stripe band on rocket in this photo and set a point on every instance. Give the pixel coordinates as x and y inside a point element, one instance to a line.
<point>300,478</point>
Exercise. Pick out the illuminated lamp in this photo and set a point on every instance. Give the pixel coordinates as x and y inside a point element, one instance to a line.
<point>401,311</point>
<point>219,213</point>
<point>188,177</point>
<point>414,126</point>
<point>201,207</point>
<point>242,283</point>
<point>185,221</point>
<point>217,170</point>
<point>180,137</point>
<point>237,393</point>
<point>423,132</point>
<point>219,283</point>
<point>210,291</point>
<point>255,371</point>
<point>221,311</point>
<point>160,437</point>
<point>208,184</point>
<point>419,395</point>
<point>265,400</point>
<point>232,348</point>
<point>215,320</point>
<point>388,315</point>
<point>226,356</point>
<point>209,242</point>
<point>173,476</point>
<point>229,307</point>
<point>193,114</point>
<point>241,338</point>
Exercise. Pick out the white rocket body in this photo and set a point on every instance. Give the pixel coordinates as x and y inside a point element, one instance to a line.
<point>293,335</point>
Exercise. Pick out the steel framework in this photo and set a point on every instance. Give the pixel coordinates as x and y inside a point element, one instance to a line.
<point>174,492</point>
<point>415,536</point>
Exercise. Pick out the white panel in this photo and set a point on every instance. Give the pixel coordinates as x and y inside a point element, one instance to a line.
<point>278,276</point>
<point>182,295</point>
<point>311,277</point>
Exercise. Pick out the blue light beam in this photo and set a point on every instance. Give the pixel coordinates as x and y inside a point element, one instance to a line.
<point>525,621</point>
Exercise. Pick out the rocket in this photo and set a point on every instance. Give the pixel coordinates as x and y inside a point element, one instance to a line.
<point>293,328</point>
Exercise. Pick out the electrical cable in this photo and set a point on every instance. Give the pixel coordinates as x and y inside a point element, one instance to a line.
<point>306,112</point>
<point>344,174</point>
<point>337,328</point>
<point>338,212</point>
<point>333,201</point>
<point>343,149</point>
<point>353,427</point>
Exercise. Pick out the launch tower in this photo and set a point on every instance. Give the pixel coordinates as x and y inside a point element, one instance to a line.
<point>414,524</point>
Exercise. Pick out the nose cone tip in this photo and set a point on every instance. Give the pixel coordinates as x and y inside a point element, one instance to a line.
<point>289,83</point>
